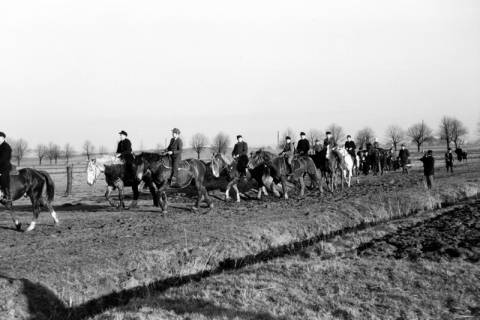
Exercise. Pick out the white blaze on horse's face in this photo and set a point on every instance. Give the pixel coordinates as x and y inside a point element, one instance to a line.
<point>215,169</point>
<point>92,172</point>
<point>140,168</point>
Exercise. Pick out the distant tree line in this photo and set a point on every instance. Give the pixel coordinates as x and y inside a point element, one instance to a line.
<point>451,131</point>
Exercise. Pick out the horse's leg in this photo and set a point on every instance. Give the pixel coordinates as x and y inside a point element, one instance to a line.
<point>164,202</point>
<point>107,195</point>
<point>284,187</point>
<point>154,193</point>
<point>237,192</point>
<point>49,206</point>
<point>36,212</point>
<point>119,185</point>
<point>302,186</point>
<point>135,195</point>
<point>264,189</point>
<point>229,186</point>
<point>18,225</point>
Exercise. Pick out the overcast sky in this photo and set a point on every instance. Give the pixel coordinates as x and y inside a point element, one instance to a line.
<point>76,70</point>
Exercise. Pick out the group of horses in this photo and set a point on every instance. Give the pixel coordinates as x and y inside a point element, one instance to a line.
<point>269,171</point>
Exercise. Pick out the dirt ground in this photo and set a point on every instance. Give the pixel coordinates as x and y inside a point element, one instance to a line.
<point>97,250</point>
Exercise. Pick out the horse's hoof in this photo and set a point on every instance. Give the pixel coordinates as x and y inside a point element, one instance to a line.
<point>211,206</point>
<point>18,226</point>
<point>31,227</point>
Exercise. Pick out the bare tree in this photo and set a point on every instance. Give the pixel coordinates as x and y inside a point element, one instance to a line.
<point>452,130</point>
<point>102,150</point>
<point>199,142</point>
<point>314,134</point>
<point>396,135</point>
<point>88,149</point>
<point>458,132</point>
<point>221,142</point>
<point>41,151</point>
<point>19,149</point>
<point>53,152</point>
<point>68,152</point>
<point>420,133</point>
<point>364,136</point>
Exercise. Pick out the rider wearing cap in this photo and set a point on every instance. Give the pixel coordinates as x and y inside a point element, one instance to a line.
<point>124,152</point>
<point>240,152</point>
<point>288,151</point>
<point>350,146</point>
<point>174,149</point>
<point>329,144</point>
<point>303,146</point>
<point>5,167</point>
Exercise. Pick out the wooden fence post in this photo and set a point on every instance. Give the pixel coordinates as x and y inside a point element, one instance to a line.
<point>68,192</point>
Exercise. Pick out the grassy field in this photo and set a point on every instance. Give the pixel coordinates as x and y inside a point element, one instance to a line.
<point>76,268</point>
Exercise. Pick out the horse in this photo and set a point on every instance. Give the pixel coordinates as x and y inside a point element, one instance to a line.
<point>277,168</point>
<point>349,165</point>
<point>114,170</point>
<point>329,168</point>
<point>374,161</point>
<point>220,163</point>
<point>190,171</point>
<point>33,184</point>
<point>461,155</point>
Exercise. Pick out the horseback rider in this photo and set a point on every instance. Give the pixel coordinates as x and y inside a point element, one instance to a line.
<point>240,153</point>
<point>174,150</point>
<point>329,144</point>
<point>303,146</point>
<point>124,152</point>
<point>350,147</point>
<point>5,167</point>
<point>317,147</point>
<point>288,151</point>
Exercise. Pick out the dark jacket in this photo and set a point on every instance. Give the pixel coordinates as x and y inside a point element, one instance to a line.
<point>240,148</point>
<point>124,147</point>
<point>449,157</point>
<point>176,146</point>
<point>288,149</point>
<point>329,142</point>
<point>428,165</point>
<point>5,157</point>
<point>350,146</point>
<point>303,146</point>
<point>403,156</point>
<point>317,148</point>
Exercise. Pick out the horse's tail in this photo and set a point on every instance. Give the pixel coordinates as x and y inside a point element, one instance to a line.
<point>49,184</point>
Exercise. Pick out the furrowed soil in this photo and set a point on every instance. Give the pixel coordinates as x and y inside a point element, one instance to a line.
<point>73,270</point>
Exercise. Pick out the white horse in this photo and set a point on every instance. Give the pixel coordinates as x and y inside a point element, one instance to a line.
<point>112,176</point>
<point>349,166</point>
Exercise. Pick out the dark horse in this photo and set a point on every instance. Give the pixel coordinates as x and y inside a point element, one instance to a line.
<point>461,155</point>
<point>115,176</point>
<point>158,166</point>
<point>232,170</point>
<point>33,184</point>
<point>277,167</point>
<point>329,168</point>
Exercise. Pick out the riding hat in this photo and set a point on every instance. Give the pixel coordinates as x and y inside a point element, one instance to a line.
<point>288,138</point>
<point>302,133</point>
<point>2,134</point>
<point>123,132</point>
<point>349,136</point>
<point>176,130</point>
<point>328,132</point>
<point>239,136</point>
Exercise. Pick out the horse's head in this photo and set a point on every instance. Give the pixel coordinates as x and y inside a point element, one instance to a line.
<point>258,158</point>
<point>218,164</point>
<point>139,166</point>
<point>93,171</point>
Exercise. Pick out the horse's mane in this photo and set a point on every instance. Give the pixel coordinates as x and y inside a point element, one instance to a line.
<point>151,157</point>
<point>107,161</point>
<point>266,155</point>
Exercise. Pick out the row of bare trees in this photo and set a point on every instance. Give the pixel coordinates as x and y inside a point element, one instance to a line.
<point>451,130</point>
